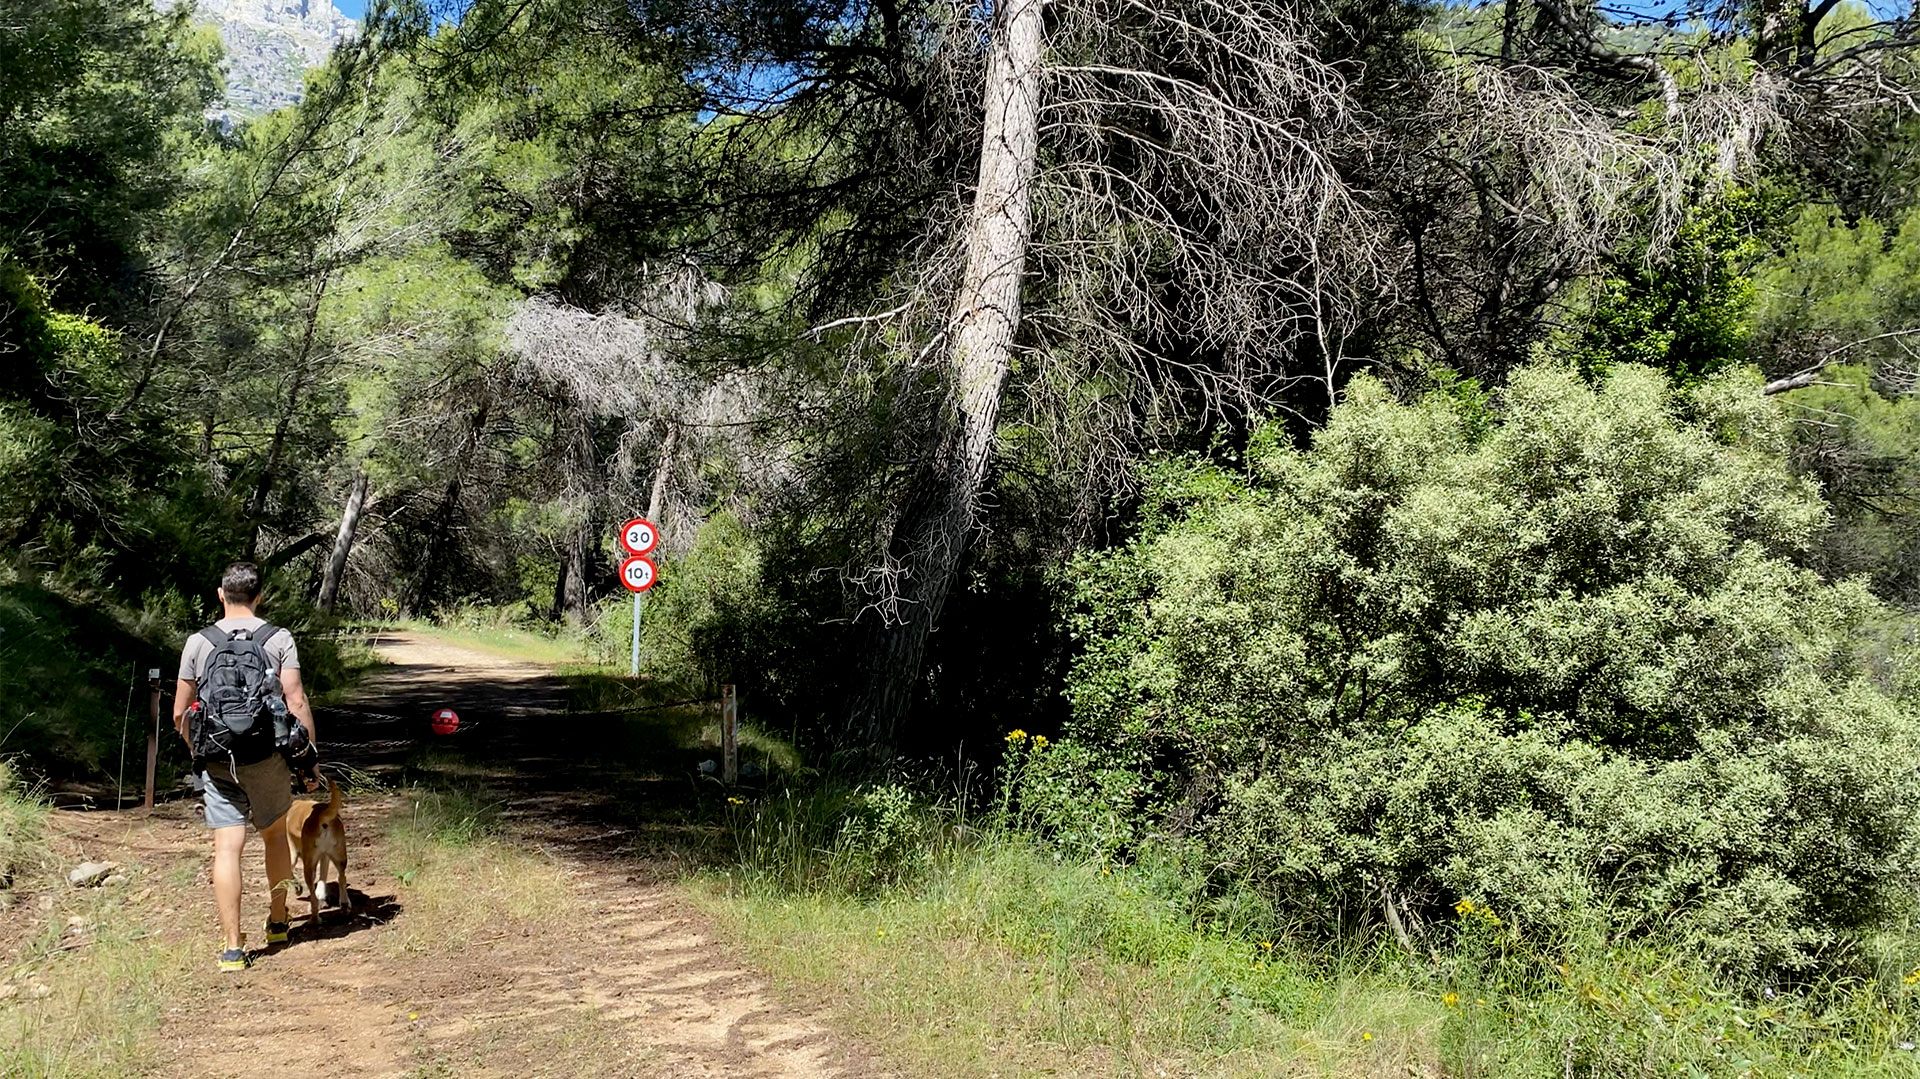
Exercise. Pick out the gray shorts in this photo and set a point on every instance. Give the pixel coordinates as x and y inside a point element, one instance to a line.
<point>258,793</point>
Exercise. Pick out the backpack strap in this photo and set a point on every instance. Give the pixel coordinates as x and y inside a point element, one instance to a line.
<point>264,634</point>
<point>216,636</point>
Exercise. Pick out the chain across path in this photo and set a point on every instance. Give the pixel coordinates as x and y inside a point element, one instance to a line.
<point>467,726</point>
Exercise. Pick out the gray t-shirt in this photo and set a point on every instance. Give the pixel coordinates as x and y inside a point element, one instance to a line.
<point>279,648</point>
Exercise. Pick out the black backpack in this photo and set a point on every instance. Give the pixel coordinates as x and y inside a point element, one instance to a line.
<point>243,717</point>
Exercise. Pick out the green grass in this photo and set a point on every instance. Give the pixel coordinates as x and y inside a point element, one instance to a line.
<point>496,632</point>
<point>982,955</point>
<point>1003,962</point>
<point>674,715</point>
<point>350,660</point>
<point>86,996</point>
<point>23,826</point>
<point>462,874</point>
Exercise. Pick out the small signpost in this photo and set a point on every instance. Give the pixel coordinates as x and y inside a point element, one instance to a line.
<point>729,736</point>
<point>153,735</point>
<point>638,536</point>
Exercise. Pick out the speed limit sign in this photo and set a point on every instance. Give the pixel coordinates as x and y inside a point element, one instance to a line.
<point>639,536</point>
<point>638,573</point>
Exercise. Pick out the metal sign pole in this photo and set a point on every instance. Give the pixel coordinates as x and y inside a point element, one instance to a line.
<point>636,635</point>
<point>638,573</point>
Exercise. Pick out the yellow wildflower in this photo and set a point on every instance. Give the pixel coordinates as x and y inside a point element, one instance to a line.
<point>1366,1035</point>
<point>1464,907</point>
<point>1912,979</point>
<point>1016,735</point>
<point>1266,945</point>
<point>1039,741</point>
<point>1450,1000</point>
<point>736,801</point>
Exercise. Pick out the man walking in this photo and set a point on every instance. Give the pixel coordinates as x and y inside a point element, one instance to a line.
<point>249,671</point>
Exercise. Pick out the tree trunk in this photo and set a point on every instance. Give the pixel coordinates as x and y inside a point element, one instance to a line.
<point>257,506</point>
<point>343,541</point>
<point>560,588</point>
<point>932,535</point>
<point>656,501</point>
<point>574,587</point>
<point>577,588</point>
<point>1777,35</point>
<point>426,583</point>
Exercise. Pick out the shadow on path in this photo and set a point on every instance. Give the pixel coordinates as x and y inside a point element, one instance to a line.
<point>601,786</point>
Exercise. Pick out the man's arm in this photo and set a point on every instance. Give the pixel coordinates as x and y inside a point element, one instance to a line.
<point>184,694</point>
<point>297,701</point>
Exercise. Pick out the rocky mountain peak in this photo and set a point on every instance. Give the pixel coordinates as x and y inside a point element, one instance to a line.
<point>270,44</point>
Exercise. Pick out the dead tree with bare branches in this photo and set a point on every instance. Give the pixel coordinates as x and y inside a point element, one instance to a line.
<point>1115,221</point>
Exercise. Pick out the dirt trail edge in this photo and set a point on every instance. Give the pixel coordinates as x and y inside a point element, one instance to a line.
<point>628,981</point>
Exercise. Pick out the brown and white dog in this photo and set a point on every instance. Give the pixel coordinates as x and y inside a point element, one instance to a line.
<point>318,839</point>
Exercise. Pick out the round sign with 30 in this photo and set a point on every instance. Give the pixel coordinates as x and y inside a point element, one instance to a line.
<point>639,536</point>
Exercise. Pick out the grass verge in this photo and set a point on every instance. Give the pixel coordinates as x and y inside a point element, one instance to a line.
<point>351,660</point>
<point>982,955</point>
<point>84,999</point>
<point>23,828</point>
<point>1004,962</point>
<point>465,879</point>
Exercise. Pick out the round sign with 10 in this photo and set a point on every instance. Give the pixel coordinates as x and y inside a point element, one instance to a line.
<point>638,573</point>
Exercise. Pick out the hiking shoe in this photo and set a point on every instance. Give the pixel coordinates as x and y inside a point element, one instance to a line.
<point>234,960</point>
<point>276,932</point>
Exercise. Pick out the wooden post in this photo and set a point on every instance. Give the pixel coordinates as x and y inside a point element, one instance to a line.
<point>729,736</point>
<point>153,734</point>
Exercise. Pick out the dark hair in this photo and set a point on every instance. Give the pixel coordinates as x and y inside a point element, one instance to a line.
<point>241,582</point>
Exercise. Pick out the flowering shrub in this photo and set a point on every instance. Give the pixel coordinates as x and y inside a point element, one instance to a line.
<point>1558,652</point>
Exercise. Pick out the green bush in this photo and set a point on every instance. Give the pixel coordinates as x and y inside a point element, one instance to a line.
<point>1568,661</point>
<point>702,617</point>
<point>850,840</point>
<point>1069,789</point>
<point>73,683</point>
<point>1597,1006</point>
<point>73,673</point>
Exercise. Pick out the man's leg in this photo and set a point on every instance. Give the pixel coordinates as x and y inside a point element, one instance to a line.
<point>279,869</point>
<point>227,844</point>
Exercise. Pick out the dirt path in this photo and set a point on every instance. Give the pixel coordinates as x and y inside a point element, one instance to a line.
<point>622,978</point>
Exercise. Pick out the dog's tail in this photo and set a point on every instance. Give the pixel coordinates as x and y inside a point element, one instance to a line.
<point>330,812</point>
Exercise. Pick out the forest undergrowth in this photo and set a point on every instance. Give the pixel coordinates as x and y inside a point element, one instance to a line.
<point>1476,737</point>
<point>978,946</point>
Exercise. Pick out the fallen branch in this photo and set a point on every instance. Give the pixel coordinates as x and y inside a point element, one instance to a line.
<point>1811,376</point>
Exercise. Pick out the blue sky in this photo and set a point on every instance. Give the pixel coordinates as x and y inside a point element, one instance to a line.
<point>354,9</point>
